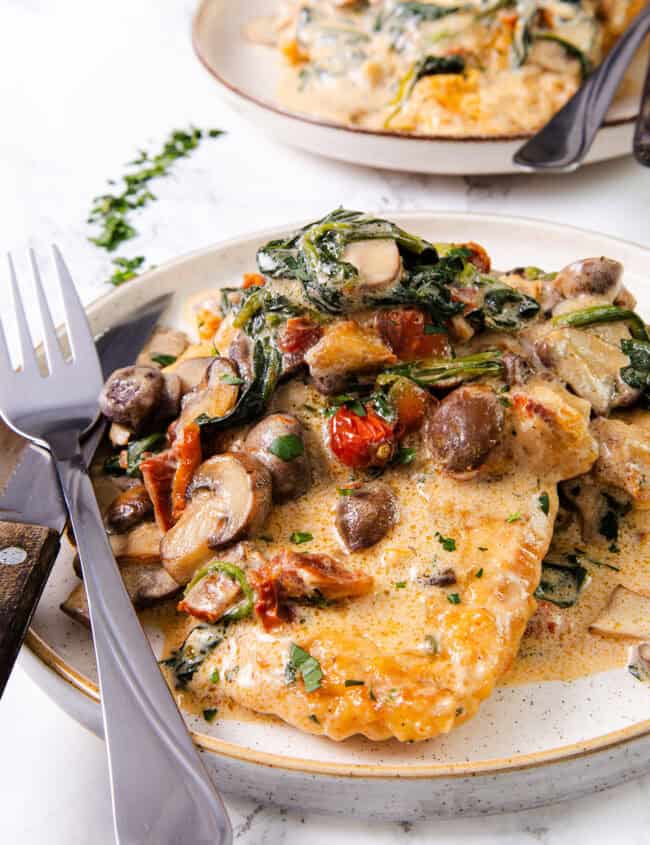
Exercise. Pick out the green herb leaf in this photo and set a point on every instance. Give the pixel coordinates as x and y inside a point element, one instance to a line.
<point>400,585</point>
<point>228,378</point>
<point>514,517</point>
<point>447,543</point>
<point>544,503</point>
<point>164,360</point>
<point>125,269</point>
<point>300,661</point>
<point>453,598</point>
<point>198,644</point>
<point>479,573</point>
<point>299,537</point>
<point>287,447</point>
<point>352,683</point>
<point>209,715</point>
<point>405,456</point>
<point>215,677</point>
<point>560,584</point>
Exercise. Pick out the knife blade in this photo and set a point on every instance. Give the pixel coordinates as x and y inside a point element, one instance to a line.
<point>32,513</point>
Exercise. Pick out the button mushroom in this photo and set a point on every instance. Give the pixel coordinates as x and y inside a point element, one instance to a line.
<point>364,515</point>
<point>278,441</point>
<point>598,276</point>
<point>128,509</point>
<point>230,498</point>
<point>465,427</point>
<point>131,395</point>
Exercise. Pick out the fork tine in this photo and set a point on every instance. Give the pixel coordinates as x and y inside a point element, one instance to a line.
<point>29,362</point>
<point>52,348</point>
<point>6,367</point>
<point>79,334</point>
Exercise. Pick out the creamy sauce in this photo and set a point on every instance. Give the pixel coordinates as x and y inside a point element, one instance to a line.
<point>399,608</point>
<point>358,64</point>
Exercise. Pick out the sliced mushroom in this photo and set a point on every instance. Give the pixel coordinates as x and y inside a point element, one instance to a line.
<point>626,615</point>
<point>278,441</point>
<point>140,545</point>
<point>170,400</point>
<point>216,394</point>
<point>241,352</point>
<point>378,262</point>
<point>191,372</point>
<point>589,365</point>
<point>131,395</point>
<point>146,586</point>
<point>599,276</point>
<point>463,429</point>
<point>366,514</point>
<point>230,499</point>
<point>129,509</point>
<point>164,343</point>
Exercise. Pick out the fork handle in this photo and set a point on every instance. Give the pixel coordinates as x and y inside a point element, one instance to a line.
<point>162,795</point>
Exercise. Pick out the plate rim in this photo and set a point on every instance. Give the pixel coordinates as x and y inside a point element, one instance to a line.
<point>197,23</point>
<point>421,771</point>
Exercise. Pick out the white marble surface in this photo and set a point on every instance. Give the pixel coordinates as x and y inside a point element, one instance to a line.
<point>82,86</point>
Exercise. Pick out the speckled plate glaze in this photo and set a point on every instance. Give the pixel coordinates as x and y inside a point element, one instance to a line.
<point>247,75</point>
<point>529,745</point>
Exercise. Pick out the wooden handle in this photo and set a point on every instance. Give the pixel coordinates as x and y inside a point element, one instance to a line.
<point>27,553</point>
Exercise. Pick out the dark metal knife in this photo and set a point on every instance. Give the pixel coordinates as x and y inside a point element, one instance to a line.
<point>32,512</point>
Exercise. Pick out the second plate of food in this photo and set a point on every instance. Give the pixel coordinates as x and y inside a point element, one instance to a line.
<point>426,87</point>
<point>399,512</point>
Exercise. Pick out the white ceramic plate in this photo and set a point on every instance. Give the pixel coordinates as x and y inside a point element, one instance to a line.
<point>529,744</point>
<point>248,75</point>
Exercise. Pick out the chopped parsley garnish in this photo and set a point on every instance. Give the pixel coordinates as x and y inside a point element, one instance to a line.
<point>479,573</point>
<point>229,378</point>
<point>288,447</point>
<point>112,212</point>
<point>405,456</point>
<point>453,598</point>
<point>209,715</point>
<point>164,360</point>
<point>447,543</point>
<point>352,683</point>
<point>215,677</point>
<point>544,503</point>
<point>299,537</point>
<point>346,491</point>
<point>314,718</point>
<point>514,517</point>
<point>503,400</point>
<point>125,269</point>
<point>301,662</point>
<point>400,585</point>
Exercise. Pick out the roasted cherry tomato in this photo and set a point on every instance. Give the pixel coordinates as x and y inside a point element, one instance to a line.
<point>410,403</point>
<point>361,441</point>
<point>406,332</point>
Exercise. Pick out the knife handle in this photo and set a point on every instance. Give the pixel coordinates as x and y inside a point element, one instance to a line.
<point>27,553</point>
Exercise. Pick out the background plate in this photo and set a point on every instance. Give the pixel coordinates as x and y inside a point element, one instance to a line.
<point>529,745</point>
<point>248,77</point>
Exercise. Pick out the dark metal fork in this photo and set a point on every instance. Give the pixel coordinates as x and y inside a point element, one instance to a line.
<point>161,793</point>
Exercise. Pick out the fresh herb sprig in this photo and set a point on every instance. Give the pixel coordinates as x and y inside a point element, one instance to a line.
<point>113,212</point>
